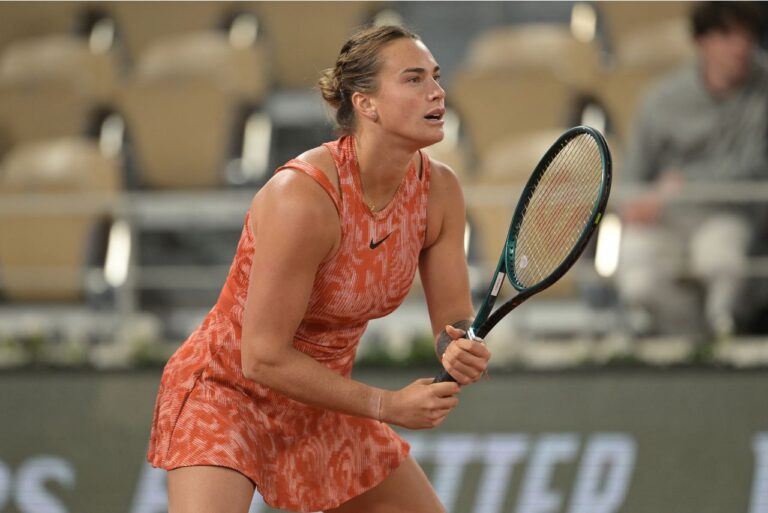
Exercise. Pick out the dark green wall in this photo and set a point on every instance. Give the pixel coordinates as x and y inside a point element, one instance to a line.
<point>583,442</point>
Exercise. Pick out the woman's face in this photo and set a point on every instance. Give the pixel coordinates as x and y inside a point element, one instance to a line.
<point>409,101</point>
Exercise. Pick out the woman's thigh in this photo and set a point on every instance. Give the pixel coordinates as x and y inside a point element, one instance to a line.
<point>405,490</point>
<point>208,489</point>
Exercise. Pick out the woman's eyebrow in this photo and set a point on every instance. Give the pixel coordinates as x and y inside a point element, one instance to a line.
<point>419,70</point>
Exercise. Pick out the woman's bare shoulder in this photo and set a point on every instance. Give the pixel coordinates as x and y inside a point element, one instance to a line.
<point>296,185</point>
<point>443,179</point>
<point>294,200</point>
<point>321,158</point>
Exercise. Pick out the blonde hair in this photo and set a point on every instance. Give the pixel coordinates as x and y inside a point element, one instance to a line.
<point>356,69</point>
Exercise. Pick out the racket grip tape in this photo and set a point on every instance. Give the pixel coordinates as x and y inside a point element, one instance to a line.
<point>444,376</point>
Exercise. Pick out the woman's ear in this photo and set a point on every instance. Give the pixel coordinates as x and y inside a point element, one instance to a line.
<point>365,106</point>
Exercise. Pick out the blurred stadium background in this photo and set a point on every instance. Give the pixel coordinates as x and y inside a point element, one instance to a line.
<point>133,136</point>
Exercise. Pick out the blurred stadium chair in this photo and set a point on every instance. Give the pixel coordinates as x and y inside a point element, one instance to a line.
<point>56,195</point>
<point>542,46</point>
<point>140,24</point>
<point>323,26</point>
<point>61,58</point>
<point>512,159</point>
<point>24,20</point>
<point>185,107</point>
<point>494,104</point>
<point>180,131</point>
<point>662,46</point>
<point>621,20</point>
<point>52,86</point>
<point>243,70</point>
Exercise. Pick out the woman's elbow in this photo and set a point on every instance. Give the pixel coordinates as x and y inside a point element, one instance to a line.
<point>259,366</point>
<point>251,369</point>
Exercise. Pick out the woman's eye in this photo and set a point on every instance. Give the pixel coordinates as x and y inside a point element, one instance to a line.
<point>436,78</point>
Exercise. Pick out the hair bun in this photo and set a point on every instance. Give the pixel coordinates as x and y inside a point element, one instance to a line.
<point>330,87</point>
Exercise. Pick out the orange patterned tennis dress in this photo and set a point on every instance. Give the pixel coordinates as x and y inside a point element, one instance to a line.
<point>301,458</point>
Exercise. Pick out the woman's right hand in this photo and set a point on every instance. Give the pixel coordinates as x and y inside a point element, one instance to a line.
<point>421,405</point>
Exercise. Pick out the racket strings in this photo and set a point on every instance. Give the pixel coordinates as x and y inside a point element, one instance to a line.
<point>558,210</point>
<point>584,187</point>
<point>561,213</point>
<point>564,224</point>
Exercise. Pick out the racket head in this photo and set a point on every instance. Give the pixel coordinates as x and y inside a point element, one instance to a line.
<point>560,207</point>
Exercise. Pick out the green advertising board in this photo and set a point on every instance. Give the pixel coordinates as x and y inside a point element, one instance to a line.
<point>637,441</point>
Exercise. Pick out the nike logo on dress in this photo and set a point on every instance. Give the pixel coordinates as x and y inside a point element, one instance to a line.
<point>374,245</point>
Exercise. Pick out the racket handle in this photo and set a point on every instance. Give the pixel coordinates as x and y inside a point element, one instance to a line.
<point>444,376</point>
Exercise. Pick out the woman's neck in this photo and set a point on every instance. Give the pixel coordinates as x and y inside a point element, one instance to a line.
<point>382,164</point>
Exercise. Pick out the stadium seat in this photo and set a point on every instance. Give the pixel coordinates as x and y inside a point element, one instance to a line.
<point>51,87</point>
<point>184,105</point>
<point>511,160</point>
<point>323,26</point>
<point>541,46</point>
<point>621,20</point>
<point>62,58</point>
<point>180,131</point>
<point>54,194</point>
<point>140,24</point>
<point>26,20</point>
<point>494,104</point>
<point>244,71</point>
<point>662,46</point>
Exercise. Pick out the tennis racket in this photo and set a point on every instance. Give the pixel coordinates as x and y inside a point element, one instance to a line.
<point>559,209</point>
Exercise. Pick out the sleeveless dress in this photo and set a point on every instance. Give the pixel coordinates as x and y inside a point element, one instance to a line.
<point>301,458</point>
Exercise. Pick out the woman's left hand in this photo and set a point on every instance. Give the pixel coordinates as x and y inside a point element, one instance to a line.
<point>466,360</point>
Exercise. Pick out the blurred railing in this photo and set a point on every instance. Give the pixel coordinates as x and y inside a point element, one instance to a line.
<point>213,210</point>
<point>225,210</point>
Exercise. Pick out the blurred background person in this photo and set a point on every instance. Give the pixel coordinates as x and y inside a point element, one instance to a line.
<point>703,123</point>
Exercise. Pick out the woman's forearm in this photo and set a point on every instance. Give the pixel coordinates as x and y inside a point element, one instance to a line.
<point>304,379</point>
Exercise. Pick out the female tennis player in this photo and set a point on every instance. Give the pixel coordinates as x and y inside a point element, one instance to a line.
<point>261,394</point>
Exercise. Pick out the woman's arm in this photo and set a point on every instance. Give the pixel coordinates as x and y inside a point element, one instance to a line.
<point>296,227</point>
<point>443,269</point>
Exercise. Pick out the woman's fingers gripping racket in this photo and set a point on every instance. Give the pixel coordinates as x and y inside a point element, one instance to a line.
<point>445,399</point>
<point>422,404</point>
<point>466,360</point>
